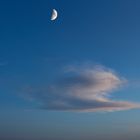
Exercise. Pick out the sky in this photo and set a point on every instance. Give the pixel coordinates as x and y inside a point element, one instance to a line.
<point>74,78</point>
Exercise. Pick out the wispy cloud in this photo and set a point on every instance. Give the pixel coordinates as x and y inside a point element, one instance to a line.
<point>3,63</point>
<point>82,89</point>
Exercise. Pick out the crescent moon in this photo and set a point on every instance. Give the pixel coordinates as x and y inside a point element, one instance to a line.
<point>54,15</point>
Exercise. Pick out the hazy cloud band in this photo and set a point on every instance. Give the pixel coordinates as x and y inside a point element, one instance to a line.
<point>82,89</point>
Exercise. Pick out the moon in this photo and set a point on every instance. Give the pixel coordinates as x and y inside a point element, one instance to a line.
<point>54,15</point>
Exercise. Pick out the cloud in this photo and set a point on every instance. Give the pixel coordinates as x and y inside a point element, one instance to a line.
<point>82,89</point>
<point>3,63</point>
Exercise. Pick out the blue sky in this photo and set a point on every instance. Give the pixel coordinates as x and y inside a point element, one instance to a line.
<point>51,70</point>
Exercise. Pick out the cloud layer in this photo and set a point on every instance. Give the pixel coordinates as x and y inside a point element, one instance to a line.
<point>82,89</point>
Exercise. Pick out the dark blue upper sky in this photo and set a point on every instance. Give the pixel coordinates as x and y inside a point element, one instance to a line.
<point>34,50</point>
